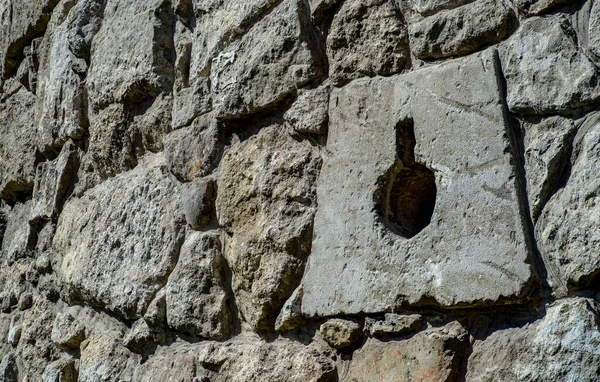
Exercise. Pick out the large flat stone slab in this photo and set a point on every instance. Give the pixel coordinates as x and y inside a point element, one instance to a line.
<point>370,251</point>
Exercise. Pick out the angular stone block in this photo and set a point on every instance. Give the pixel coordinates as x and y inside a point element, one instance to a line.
<point>431,147</point>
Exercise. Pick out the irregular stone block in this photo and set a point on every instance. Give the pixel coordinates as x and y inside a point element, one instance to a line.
<point>17,151</point>
<point>429,7</point>
<point>198,202</point>
<point>545,71</point>
<point>367,38</point>
<point>340,333</point>
<point>19,236</point>
<point>130,229</point>
<point>431,355</point>
<point>165,367</point>
<point>309,114</point>
<point>252,359</point>
<point>594,31</point>
<point>104,359</point>
<point>25,301</point>
<point>393,324</point>
<point>290,317</point>
<point>567,228</point>
<point>566,341</point>
<point>62,370</point>
<point>320,8</point>
<point>267,64</point>
<point>463,30</point>
<point>67,331</point>
<point>52,180</point>
<point>140,337</point>
<point>547,149</point>
<point>61,103</point>
<point>407,212</point>
<point>194,151</point>
<point>9,370</point>
<point>21,22</point>
<point>266,200</point>
<point>197,301</point>
<point>131,53</point>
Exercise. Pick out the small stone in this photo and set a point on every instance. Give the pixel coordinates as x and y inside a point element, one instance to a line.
<point>14,334</point>
<point>9,370</point>
<point>25,301</point>
<point>535,7</point>
<point>320,8</point>
<point>290,317</point>
<point>198,202</point>
<point>139,337</point>
<point>62,370</point>
<point>309,114</point>
<point>394,324</point>
<point>339,333</point>
<point>67,331</point>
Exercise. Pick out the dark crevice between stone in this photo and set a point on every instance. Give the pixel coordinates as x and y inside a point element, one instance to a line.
<point>538,286</point>
<point>406,197</point>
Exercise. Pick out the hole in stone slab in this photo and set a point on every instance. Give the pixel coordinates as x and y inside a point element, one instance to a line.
<point>407,193</point>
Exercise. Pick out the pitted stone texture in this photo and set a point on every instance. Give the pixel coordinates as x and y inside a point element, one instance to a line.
<point>594,31</point>
<point>367,38</point>
<point>20,22</point>
<point>395,324</point>
<point>547,148</point>
<point>545,70</point>
<point>219,22</point>
<point>534,7</point>
<point>429,7</point>
<point>62,370</point>
<point>474,251</point>
<point>462,30</point>
<point>320,8</point>
<point>198,202</point>
<point>246,358</point>
<point>267,64</point>
<point>52,180</point>
<point>431,355</point>
<point>568,227</point>
<point>194,151</point>
<point>171,365</point>
<point>67,331</point>
<point>266,201</point>
<point>564,345</point>
<point>340,333</point>
<point>9,369</point>
<point>61,104</point>
<point>197,301</point>
<point>17,148</point>
<point>131,53</point>
<point>309,114</point>
<point>19,236</point>
<point>130,229</point>
<point>105,359</point>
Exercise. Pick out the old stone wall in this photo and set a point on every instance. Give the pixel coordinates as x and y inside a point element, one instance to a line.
<point>299,190</point>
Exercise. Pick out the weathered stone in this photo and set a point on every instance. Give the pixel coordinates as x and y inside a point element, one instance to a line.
<point>194,151</point>
<point>197,302</point>
<point>21,22</point>
<point>252,359</point>
<point>429,7</point>
<point>267,64</point>
<point>593,31</point>
<point>67,331</point>
<point>19,236</point>
<point>17,148</point>
<point>266,201</point>
<point>431,355</point>
<point>534,7</point>
<point>191,102</point>
<point>564,345</point>
<point>547,149</point>
<point>131,53</point>
<point>61,105</point>
<point>377,193</point>
<point>62,370</point>
<point>367,38</point>
<point>198,202</point>
<point>25,301</point>
<point>9,370</point>
<point>290,317</point>
<point>130,230</point>
<point>14,334</point>
<point>139,337</point>
<point>395,324</point>
<point>52,180</point>
<point>463,30</point>
<point>567,228</point>
<point>156,314</point>
<point>171,366</point>
<point>104,359</point>
<point>309,114</point>
<point>320,8</point>
<point>545,70</point>
<point>340,333</point>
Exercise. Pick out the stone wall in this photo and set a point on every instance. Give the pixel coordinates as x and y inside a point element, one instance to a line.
<point>299,190</point>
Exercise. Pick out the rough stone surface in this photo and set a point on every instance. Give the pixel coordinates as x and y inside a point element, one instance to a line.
<point>545,70</point>
<point>266,202</point>
<point>565,341</point>
<point>462,30</point>
<point>105,265</point>
<point>371,253</point>
<point>197,302</point>
<point>299,190</point>
<point>340,333</point>
<point>567,228</point>
<point>432,355</point>
<point>367,38</point>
